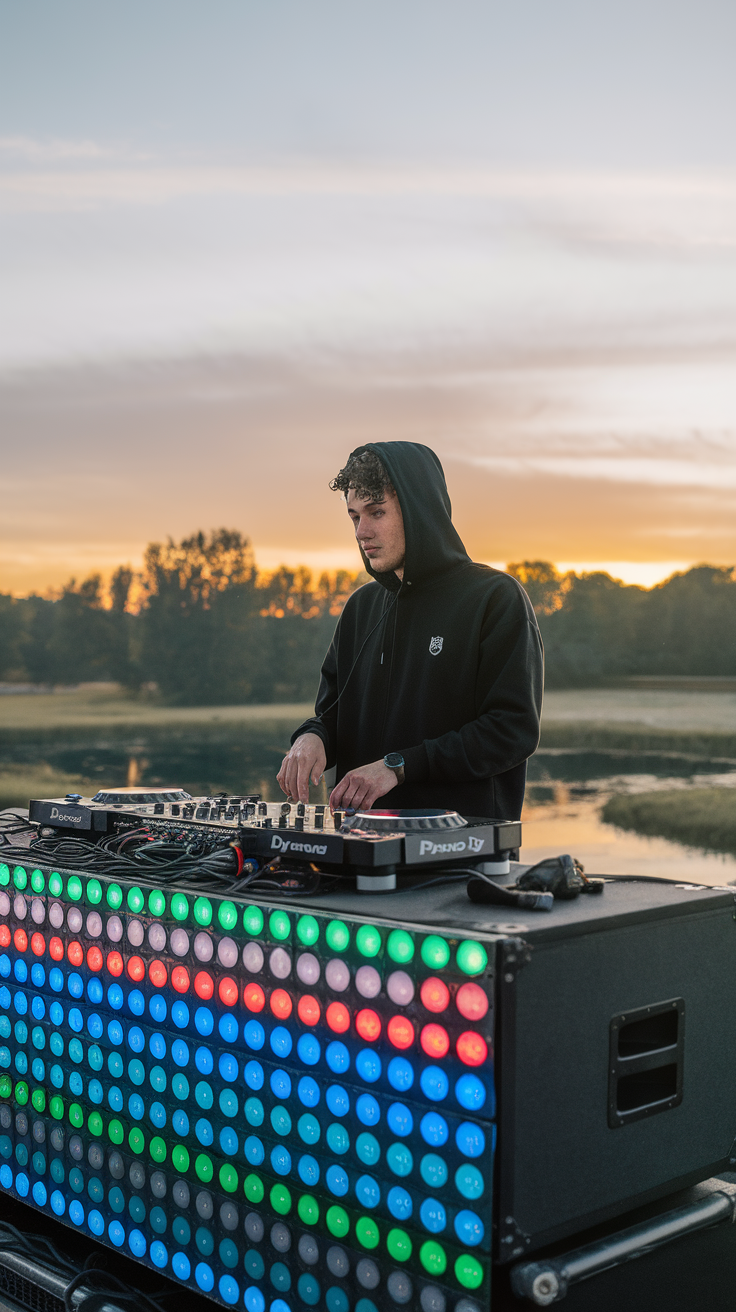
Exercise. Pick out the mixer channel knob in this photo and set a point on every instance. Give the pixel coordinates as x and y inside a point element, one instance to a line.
<point>263,808</point>
<point>299,822</point>
<point>300,808</point>
<point>319,821</point>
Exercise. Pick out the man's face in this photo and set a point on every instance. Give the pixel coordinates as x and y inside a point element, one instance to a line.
<point>379,531</point>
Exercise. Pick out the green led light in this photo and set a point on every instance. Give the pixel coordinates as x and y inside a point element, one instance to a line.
<point>433,1257</point>
<point>368,941</point>
<point>6,1086</point>
<point>115,1131</point>
<point>38,1098</point>
<point>468,1271</point>
<point>472,957</point>
<point>228,1178</point>
<point>157,1149</point>
<point>20,878</point>
<point>38,882</point>
<point>94,891</point>
<point>203,1167</point>
<point>253,1188</point>
<point>136,1140</point>
<point>114,896</point>
<point>203,911</point>
<point>366,1232</point>
<point>337,935</point>
<point>136,900</point>
<point>179,906</point>
<point>76,1115</point>
<point>400,946</point>
<point>435,952</point>
<point>74,888</point>
<point>95,1124</point>
<point>252,920</point>
<point>180,1159</point>
<point>338,1222</point>
<point>156,902</point>
<point>399,1245</point>
<point>307,930</point>
<point>4,875</point>
<point>227,915</point>
<point>55,884</point>
<point>279,925</point>
<point>56,1107</point>
<point>280,1199</point>
<point>308,1209</point>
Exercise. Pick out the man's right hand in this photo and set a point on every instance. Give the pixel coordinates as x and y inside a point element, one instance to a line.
<point>306,761</point>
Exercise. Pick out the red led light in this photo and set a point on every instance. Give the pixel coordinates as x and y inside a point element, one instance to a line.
<point>94,958</point>
<point>435,1041</point>
<point>471,1002</point>
<point>227,991</point>
<point>56,949</point>
<point>308,1009</point>
<point>204,985</point>
<point>400,1032</point>
<point>280,1004</point>
<point>368,1025</point>
<point>20,939</point>
<point>114,962</point>
<point>180,979</point>
<point>338,1017</point>
<point>157,974</point>
<point>435,994</point>
<point>254,997</point>
<point>136,969</point>
<point>75,952</point>
<point>472,1048</point>
<point>4,936</point>
<point>38,945</point>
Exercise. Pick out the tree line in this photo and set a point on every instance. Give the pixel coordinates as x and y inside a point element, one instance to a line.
<point>203,624</point>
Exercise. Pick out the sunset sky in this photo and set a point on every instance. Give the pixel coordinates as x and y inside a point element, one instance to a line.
<point>238,240</point>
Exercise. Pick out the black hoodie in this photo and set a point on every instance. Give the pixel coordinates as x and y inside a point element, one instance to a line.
<point>451,674</point>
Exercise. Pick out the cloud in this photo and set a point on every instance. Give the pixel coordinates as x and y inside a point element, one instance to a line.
<point>49,150</point>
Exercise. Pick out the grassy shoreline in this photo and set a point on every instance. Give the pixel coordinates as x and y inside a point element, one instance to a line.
<point>699,817</point>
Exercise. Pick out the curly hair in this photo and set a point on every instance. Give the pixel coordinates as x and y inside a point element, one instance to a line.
<point>366,475</point>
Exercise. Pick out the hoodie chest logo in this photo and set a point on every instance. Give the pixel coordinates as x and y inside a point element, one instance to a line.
<point>435,646</point>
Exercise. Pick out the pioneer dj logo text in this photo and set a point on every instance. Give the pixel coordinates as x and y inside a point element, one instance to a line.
<point>56,814</point>
<point>427,847</point>
<point>288,845</point>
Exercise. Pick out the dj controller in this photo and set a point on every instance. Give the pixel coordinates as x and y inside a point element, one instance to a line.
<point>371,846</point>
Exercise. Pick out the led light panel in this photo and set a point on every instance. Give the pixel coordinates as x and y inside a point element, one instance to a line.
<point>278,1107</point>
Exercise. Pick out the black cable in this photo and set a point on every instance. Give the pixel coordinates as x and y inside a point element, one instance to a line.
<point>380,621</point>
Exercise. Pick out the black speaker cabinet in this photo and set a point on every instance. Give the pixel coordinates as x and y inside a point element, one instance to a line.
<point>616,1056</point>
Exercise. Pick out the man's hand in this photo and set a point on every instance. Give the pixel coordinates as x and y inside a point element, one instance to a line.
<point>362,787</point>
<point>306,761</point>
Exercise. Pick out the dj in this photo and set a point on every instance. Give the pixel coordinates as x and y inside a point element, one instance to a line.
<point>432,687</point>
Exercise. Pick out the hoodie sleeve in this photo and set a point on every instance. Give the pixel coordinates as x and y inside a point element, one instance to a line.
<point>509,687</point>
<point>324,720</point>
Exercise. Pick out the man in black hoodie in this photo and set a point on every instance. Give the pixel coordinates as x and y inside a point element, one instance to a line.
<point>432,687</point>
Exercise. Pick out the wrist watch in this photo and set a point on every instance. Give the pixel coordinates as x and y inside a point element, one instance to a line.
<point>395,762</point>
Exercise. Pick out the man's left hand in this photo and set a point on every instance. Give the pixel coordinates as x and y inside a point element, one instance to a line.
<point>362,787</point>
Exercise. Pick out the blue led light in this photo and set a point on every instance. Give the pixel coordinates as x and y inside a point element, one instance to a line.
<point>76,1084</point>
<point>433,1128</point>
<point>309,1128</point>
<point>22,1184</point>
<point>204,1022</point>
<point>228,1028</point>
<point>470,1093</point>
<point>180,1052</point>
<point>281,1041</point>
<point>280,1120</point>
<point>115,1098</point>
<point>180,1017</point>
<point>367,1191</point>
<point>95,992</point>
<point>203,1131</point>
<point>157,1046</point>
<point>228,1066</point>
<point>338,1139</point>
<point>204,1061</point>
<point>228,1140</point>
<point>5,966</point>
<point>115,995</point>
<point>180,1123</point>
<point>229,1290</point>
<point>338,1057</point>
<point>157,1078</point>
<point>136,1038</point>
<point>136,1071</point>
<point>76,1051</point>
<point>338,1100</point>
<point>470,1139</point>
<point>38,1070</point>
<point>95,1092</point>
<point>280,1083</point>
<point>309,1289</point>
<point>254,1035</point>
<point>136,1005</point>
<point>434,1083</point>
<point>181,1266</point>
<point>203,1094</point>
<point>58,1204</point>
<point>469,1228</point>
<point>114,1032</point>
<point>75,1020</point>
<point>337,1180</point>
<point>365,1305</point>
<point>204,1277</point>
<point>116,1233</point>
<point>5,1024</point>
<point>400,1074</point>
<point>309,1049</point>
<point>280,1160</point>
<point>95,1026</point>
<point>228,1102</point>
<point>157,1008</point>
<point>157,1115</point>
<point>433,1170</point>
<point>368,1065</point>
<point>400,1119</point>
<point>336,1300</point>
<point>253,1075</point>
<point>308,1091</point>
<point>368,1149</point>
<point>20,1002</point>
<point>180,1086</point>
<point>399,1203</point>
<point>136,1106</point>
<point>114,1063</point>
<point>469,1181</point>
<point>254,1111</point>
<point>38,976</point>
<point>20,970</point>
<point>308,1169</point>
<point>5,995</point>
<point>253,1299</point>
<point>56,1044</point>
<point>76,1212</point>
<point>254,1150</point>
<point>95,1222</point>
<point>6,1176</point>
<point>433,1216</point>
<point>399,1159</point>
<point>40,1196</point>
<point>56,1075</point>
<point>75,985</point>
<point>158,1254</point>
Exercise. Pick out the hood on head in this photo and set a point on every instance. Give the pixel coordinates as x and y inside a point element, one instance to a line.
<point>432,542</point>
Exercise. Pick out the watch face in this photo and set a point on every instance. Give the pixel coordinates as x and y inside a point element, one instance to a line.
<point>393,760</point>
